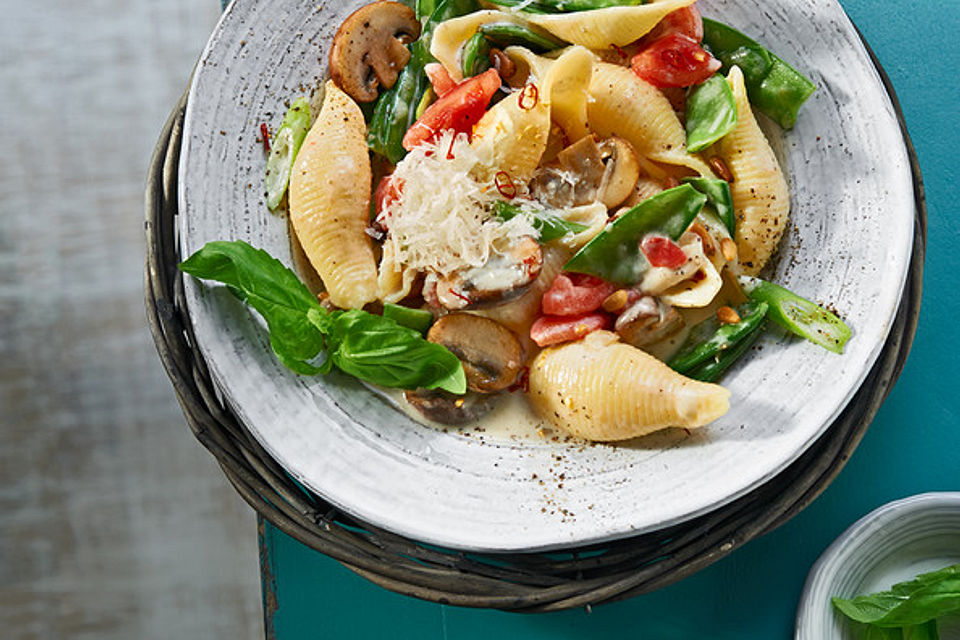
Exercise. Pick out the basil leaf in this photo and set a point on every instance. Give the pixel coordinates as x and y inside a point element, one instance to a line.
<point>264,283</point>
<point>711,113</point>
<point>614,254</point>
<point>550,226</point>
<point>927,597</point>
<point>380,351</point>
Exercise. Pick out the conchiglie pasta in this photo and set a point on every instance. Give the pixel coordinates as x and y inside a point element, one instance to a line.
<point>330,201</point>
<point>395,282</point>
<point>601,389</point>
<point>569,91</point>
<point>622,104</point>
<point>760,196</point>
<point>512,135</point>
<point>605,28</point>
<point>450,36</point>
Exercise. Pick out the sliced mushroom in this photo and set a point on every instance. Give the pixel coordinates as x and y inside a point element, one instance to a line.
<point>369,48</point>
<point>491,355</point>
<point>573,179</point>
<point>447,408</point>
<point>621,172</point>
<point>648,321</point>
<point>505,276</point>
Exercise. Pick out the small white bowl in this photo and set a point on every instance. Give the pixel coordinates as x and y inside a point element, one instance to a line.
<point>892,544</point>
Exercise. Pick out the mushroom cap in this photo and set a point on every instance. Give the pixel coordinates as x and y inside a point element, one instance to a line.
<point>491,355</point>
<point>369,48</point>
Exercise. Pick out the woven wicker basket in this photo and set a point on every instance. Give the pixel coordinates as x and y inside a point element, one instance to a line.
<point>533,582</point>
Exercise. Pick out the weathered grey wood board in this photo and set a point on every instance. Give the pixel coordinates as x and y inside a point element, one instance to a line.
<point>114,522</point>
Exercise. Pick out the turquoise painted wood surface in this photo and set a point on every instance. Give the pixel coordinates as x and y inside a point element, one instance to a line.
<point>913,445</point>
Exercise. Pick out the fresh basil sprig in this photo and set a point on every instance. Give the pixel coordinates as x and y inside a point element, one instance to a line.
<point>909,609</point>
<point>370,347</point>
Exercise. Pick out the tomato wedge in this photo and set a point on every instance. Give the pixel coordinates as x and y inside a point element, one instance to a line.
<point>549,330</point>
<point>661,251</point>
<point>686,21</point>
<point>675,60</point>
<point>460,109</point>
<point>387,192</point>
<point>573,294</point>
<point>441,80</point>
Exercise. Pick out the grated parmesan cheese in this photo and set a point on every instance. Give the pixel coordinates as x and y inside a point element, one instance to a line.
<point>442,221</point>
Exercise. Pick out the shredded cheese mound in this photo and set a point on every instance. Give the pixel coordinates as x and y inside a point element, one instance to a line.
<point>443,219</point>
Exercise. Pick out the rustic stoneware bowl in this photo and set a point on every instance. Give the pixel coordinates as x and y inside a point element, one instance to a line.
<point>892,544</point>
<point>848,245</point>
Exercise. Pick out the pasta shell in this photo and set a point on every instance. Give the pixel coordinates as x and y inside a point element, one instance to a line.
<point>690,293</point>
<point>606,28</point>
<point>512,135</point>
<point>450,36</point>
<point>395,282</point>
<point>623,104</point>
<point>760,195</point>
<point>601,389</point>
<point>330,201</point>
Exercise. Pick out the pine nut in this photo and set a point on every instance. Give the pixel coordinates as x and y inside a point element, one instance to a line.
<point>727,315</point>
<point>616,301</point>
<point>720,168</point>
<point>729,249</point>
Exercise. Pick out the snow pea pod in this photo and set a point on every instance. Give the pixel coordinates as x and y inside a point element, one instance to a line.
<point>549,225</point>
<point>798,315</point>
<point>396,108</point>
<point>719,197</point>
<point>711,113</point>
<point>475,57</point>
<point>774,87</point>
<point>565,6</point>
<point>713,347</point>
<point>284,150</point>
<point>615,255</point>
<point>711,370</point>
<point>505,34</point>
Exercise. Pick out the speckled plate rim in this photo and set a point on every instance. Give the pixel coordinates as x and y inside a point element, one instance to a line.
<point>535,537</point>
<point>866,536</point>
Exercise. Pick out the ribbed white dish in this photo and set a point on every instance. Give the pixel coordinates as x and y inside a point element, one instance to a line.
<point>889,545</point>
<point>848,244</point>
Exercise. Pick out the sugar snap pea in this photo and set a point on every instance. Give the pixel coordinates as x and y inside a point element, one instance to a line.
<point>614,254</point>
<point>711,113</point>
<point>505,34</point>
<point>719,197</point>
<point>416,319</point>
<point>773,86</point>
<point>396,108</point>
<point>711,370</point>
<point>475,56</point>
<point>564,6</point>
<point>284,150</point>
<point>799,315</point>
<point>710,348</point>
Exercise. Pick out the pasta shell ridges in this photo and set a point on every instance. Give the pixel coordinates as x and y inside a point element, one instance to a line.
<point>601,389</point>
<point>327,209</point>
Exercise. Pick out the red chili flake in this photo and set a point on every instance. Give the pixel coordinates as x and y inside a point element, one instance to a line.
<point>505,185</point>
<point>265,134</point>
<point>699,276</point>
<point>460,295</point>
<point>529,97</point>
<point>621,52</point>
<point>450,155</point>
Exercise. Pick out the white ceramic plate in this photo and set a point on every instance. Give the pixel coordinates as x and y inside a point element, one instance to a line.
<point>892,544</point>
<point>848,244</point>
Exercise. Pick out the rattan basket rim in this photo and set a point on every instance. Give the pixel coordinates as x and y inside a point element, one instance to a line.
<point>533,582</point>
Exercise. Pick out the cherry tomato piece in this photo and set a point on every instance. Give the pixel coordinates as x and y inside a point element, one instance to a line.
<point>674,60</point>
<point>388,191</point>
<point>460,109</point>
<point>661,251</point>
<point>573,294</point>
<point>549,330</point>
<point>440,79</point>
